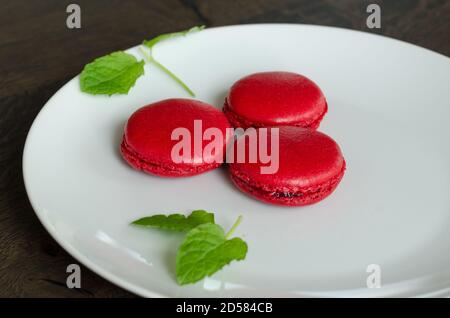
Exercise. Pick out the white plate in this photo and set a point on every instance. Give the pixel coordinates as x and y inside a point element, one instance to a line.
<point>388,109</point>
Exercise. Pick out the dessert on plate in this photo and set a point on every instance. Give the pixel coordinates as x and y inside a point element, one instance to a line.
<point>275,99</point>
<point>310,167</point>
<point>150,138</point>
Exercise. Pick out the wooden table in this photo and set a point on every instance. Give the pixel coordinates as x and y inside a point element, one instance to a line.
<point>38,54</point>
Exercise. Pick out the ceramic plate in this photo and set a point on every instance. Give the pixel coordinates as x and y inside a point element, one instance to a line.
<point>388,110</point>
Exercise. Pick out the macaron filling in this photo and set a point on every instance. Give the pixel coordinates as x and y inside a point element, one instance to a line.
<point>286,194</point>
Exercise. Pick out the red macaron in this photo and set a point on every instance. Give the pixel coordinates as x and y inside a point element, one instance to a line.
<point>153,131</point>
<point>275,99</point>
<point>310,166</point>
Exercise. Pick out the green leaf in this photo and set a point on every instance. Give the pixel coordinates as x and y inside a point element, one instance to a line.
<point>176,222</point>
<point>162,37</point>
<point>205,251</point>
<point>114,73</point>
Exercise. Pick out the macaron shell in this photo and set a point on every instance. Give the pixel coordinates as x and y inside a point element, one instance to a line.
<point>147,143</point>
<point>275,99</point>
<point>309,162</point>
<point>240,121</point>
<point>165,170</point>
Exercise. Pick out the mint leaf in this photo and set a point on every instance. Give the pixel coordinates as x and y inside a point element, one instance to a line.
<point>205,251</point>
<point>176,222</point>
<point>114,73</point>
<point>150,43</point>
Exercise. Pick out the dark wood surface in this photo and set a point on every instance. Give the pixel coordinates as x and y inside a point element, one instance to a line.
<point>38,54</point>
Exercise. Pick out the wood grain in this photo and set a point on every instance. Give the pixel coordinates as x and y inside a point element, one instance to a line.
<point>38,54</point>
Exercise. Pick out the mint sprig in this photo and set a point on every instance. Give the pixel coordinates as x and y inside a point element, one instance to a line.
<point>151,59</point>
<point>152,42</point>
<point>176,222</point>
<point>114,73</point>
<point>206,250</point>
<point>117,72</point>
<point>149,44</point>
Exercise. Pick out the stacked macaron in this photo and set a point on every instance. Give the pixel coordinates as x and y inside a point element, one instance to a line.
<point>310,164</point>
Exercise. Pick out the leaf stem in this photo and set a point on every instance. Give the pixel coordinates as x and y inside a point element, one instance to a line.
<point>151,59</point>
<point>235,225</point>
